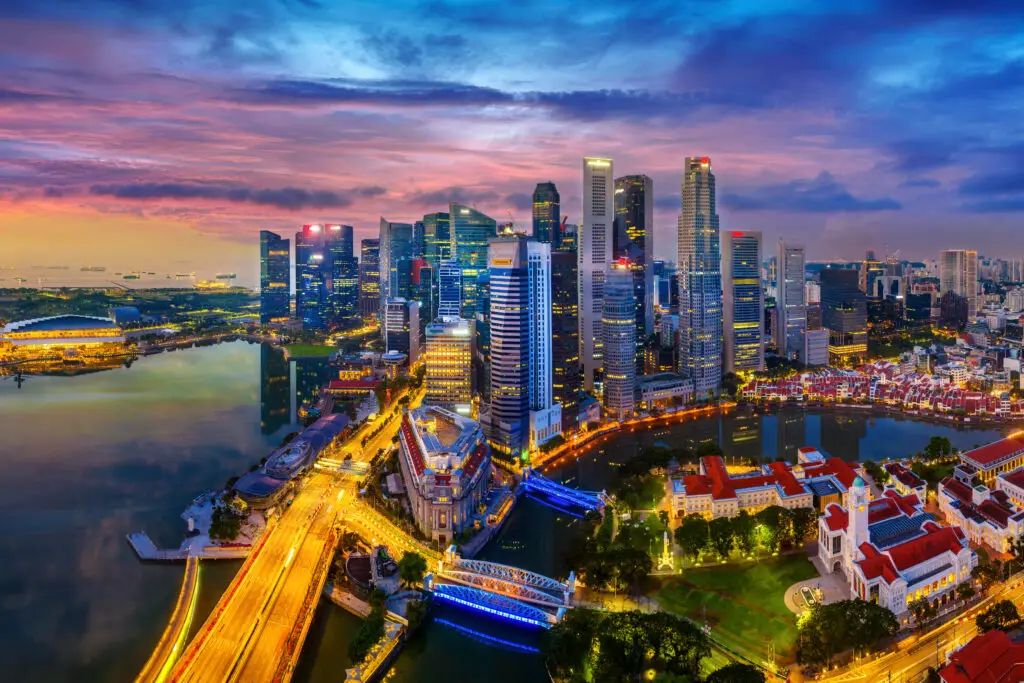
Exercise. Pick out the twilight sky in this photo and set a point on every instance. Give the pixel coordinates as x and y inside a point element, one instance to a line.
<point>162,135</point>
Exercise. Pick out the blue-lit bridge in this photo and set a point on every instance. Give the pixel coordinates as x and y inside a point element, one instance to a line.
<point>560,496</point>
<point>501,590</point>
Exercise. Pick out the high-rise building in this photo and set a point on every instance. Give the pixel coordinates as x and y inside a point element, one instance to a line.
<point>437,238</point>
<point>275,272</point>
<point>422,289</point>
<point>547,217</point>
<point>344,275</point>
<point>449,363</point>
<point>791,302</point>
<point>419,240</point>
<point>316,248</point>
<point>449,289</point>
<point>470,232</point>
<point>482,349</point>
<point>396,254</point>
<point>958,272</point>
<point>742,301</point>
<point>566,377</point>
<point>594,257</point>
<point>618,326</point>
<point>275,389</point>
<point>700,280</point>
<point>844,315</point>
<point>570,237</point>
<point>369,278</point>
<point>815,352</point>
<point>521,409</point>
<point>633,239</point>
<point>402,327</point>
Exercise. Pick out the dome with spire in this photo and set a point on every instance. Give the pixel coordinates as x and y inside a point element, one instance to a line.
<point>859,482</point>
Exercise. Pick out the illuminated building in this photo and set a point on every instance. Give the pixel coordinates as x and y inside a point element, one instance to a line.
<point>633,239</point>
<point>323,253</point>
<point>998,457</point>
<point>449,362</point>
<point>396,253</point>
<point>742,301</point>
<point>547,217</point>
<point>275,274</point>
<point>595,255</point>
<point>62,337</point>
<point>566,377</point>
<point>470,232</point>
<point>421,288</point>
<point>791,302</point>
<point>618,326</point>
<point>369,278</point>
<point>844,315</point>
<point>700,280</point>
<point>445,465</point>
<point>570,237</point>
<point>275,389</point>
<point>958,272</point>
<point>402,327</point>
<point>449,289</point>
<point>815,353</point>
<point>344,276</point>
<point>437,238</point>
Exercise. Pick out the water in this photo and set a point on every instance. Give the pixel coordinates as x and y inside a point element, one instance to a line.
<point>91,458</point>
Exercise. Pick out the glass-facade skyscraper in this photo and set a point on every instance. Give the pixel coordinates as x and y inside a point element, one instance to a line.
<point>566,376</point>
<point>595,255</point>
<point>633,239</point>
<point>326,280</point>
<point>470,232</point>
<point>344,276</point>
<point>369,278</point>
<point>700,280</point>
<point>844,314</point>
<point>397,245</point>
<point>742,301</point>
<point>437,238</point>
<point>275,274</point>
<point>547,215</point>
<point>791,301</point>
<point>618,325</point>
<point>449,289</point>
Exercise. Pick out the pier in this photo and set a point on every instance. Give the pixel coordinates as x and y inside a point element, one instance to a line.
<point>147,551</point>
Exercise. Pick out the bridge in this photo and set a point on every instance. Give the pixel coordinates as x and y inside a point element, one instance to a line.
<point>560,496</point>
<point>172,641</point>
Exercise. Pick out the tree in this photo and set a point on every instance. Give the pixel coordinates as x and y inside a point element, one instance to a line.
<point>1003,616</point>
<point>743,529</point>
<point>411,569</point>
<point>965,591</point>
<point>663,516</point>
<point>986,574</point>
<point>693,536</point>
<point>722,537</point>
<point>709,448</point>
<point>349,541</point>
<point>805,522</point>
<point>774,529</point>
<point>370,631</point>
<point>1017,550</point>
<point>730,384</point>
<point>827,630</point>
<point>736,673</point>
<point>923,610</point>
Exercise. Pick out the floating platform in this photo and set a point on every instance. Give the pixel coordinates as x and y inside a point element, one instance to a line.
<point>147,551</point>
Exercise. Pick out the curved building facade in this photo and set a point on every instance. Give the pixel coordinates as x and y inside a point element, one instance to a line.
<point>618,326</point>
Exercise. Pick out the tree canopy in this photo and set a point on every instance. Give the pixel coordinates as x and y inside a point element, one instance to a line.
<point>1002,615</point>
<point>736,673</point>
<point>411,569</point>
<point>828,630</point>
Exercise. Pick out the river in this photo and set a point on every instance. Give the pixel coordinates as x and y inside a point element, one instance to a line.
<point>90,458</point>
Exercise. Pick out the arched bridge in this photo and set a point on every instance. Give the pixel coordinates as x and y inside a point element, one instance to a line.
<point>561,496</point>
<point>495,605</point>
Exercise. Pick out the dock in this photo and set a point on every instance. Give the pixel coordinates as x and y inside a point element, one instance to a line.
<point>147,551</point>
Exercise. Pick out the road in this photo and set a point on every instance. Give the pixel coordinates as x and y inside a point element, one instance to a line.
<point>910,662</point>
<point>171,642</point>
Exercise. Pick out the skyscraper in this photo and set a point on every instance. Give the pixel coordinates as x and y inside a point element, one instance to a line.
<point>547,217</point>
<point>437,238</point>
<point>449,289</point>
<point>618,327</point>
<point>275,271</point>
<point>633,239</point>
<point>402,327</point>
<point>449,363</point>
<point>369,278</point>
<point>958,273</point>
<point>594,256</point>
<point>566,378</point>
<point>791,302</point>
<point>396,253</point>
<point>344,276</point>
<point>742,301</point>
<point>470,232</point>
<point>422,289</point>
<point>700,280</point>
<point>844,315</point>
<point>275,389</point>
<point>316,247</point>
<point>545,413</point>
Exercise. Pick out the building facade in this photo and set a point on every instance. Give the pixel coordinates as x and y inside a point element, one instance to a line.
<point>449,362</point>
<point>275,276</point>
<point>742,302</point>
<point>844,315</point>
<point>633,239</point>
<point>395,259</point>
<point>594,256</point>
<point>618,326</point>
<point>700,281</point>
<point>547,215</point>
<point>566,374</point>
<point>369,278</point>
<point>402,327</point>
<point>320,259</point>
<point>791,303</point>
<point>958,272</point>
<point>471,230</point>
<point>449,289</point>
<point>437,238</point>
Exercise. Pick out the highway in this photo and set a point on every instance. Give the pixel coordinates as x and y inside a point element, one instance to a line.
<point>910,662</point>
<point>173,639</point>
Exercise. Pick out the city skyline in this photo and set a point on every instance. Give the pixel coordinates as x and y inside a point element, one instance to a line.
<point>885,129</point>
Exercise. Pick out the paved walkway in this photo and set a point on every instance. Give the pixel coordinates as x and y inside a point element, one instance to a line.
<point>828,588</point>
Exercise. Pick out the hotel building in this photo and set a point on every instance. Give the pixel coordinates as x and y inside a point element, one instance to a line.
<point>742,302</point>
<point>449,363</point>
<point>275,276</point>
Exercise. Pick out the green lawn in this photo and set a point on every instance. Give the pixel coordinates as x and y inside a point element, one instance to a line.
<point>309,350</point>
<point>744,603</point>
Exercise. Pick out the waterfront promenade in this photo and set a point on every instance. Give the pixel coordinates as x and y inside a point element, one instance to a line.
<point>172,641</point>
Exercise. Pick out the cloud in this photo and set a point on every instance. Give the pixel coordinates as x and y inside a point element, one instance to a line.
<point>999,182</point>
<point>823,194</point>
<point>670,202</point>
<point>921,182</point>
<point>520,201</point>
<point>451,194</point>
<point>911,156</point>
<point>288,198</point>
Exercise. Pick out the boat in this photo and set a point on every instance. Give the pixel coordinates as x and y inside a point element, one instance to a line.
<point>130,276</point>
<point>19,280</point>
<point>57,267</point>
<point>225,276</point>
<point>93,269</point>
<point>184,276</point>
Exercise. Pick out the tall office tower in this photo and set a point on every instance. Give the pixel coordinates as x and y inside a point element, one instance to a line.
<point>700,280</point>
<point>594,256</point>
<point>547,217</point>
<point>402,327</point>
<point>419,240</point>
<point>482,348</point>
<point>344,275</point>
<point>422,288</point>
<point>396,253</point>
<point>790,301</point>
<point>566,377</point>
<point>870,270</point>
<point>570,237</point>
<point>618,326</point>
<point>437,238</point>
<point>315,249</point>
<point>449,289</point>
<point>633,239</point>
<point>844,315</point>
<point>521,410</point>
<point>958,272</point>
<point>742,301</point>
<point>449,363</point>
<point>812,292</point>
<point>369,278</point>
<point>470,232</point>
<point>275,389</point>
<point>275,272</point>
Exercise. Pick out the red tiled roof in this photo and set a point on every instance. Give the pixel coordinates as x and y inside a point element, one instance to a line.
<point>876,565</point>
<point>1016,478</point>
<point>994,452</point>
<point>343,384</point>
<point>924,548</point>
<point>412,446</point>
<point>957,489</point>
<point>836,517</point>
<point>786,479</point>
<point>697,485</point>
<point>905,476</point>
<point>989,658</point>
<point>469,469</point>
<point>907,504</point>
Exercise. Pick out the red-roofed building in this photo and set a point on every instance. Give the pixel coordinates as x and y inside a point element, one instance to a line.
<point>989,658</point>
<point>1012,484</point>
<point>1001,456</point>
<point>906,482</point>
<point>986,516</point>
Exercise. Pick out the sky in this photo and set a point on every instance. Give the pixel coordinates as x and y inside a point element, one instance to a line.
<point>163,135</point>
